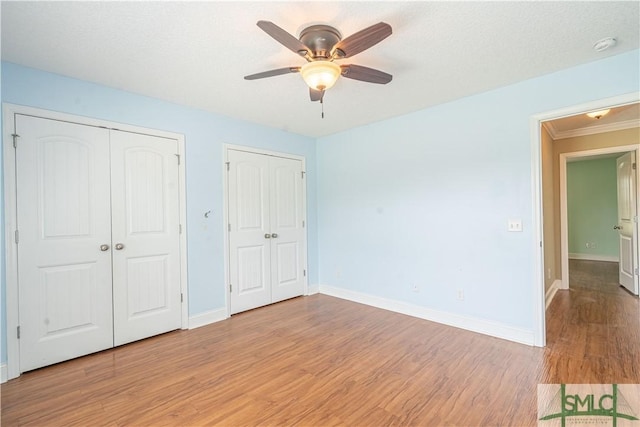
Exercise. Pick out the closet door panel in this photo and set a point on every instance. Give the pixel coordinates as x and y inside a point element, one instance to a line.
<point>286,216</point>
<point>64,254</point>
<point>146,266</point>
<point>249,235</point>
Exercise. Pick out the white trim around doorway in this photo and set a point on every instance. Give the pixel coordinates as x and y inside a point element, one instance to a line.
<point>538,297</point>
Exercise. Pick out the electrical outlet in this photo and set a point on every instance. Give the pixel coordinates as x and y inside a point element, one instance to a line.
<point>415,288</point>
<point>460,295</point>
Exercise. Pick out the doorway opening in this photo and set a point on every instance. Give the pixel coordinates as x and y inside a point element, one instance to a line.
<point>618,242</point>
<point>586,135</point>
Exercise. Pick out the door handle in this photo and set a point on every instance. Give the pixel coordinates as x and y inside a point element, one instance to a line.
<point>104,248</point>
<point>119,246</point>
<point>617,227</point>
<point>267,236</point>
<point>274,235</point>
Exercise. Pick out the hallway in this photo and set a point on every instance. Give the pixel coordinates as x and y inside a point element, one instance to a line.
<point>597,323</point>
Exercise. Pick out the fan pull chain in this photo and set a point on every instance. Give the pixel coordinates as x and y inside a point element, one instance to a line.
<point>322,107</point>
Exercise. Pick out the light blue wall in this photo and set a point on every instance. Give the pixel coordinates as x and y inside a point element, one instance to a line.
<point>205,133</point>
<point>592,207</point>
<point>424,198</point>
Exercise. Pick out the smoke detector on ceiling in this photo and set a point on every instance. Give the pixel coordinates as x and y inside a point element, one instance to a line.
<point>604,44</point>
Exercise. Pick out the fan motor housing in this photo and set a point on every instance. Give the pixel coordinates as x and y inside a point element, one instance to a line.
<point>320,39</point>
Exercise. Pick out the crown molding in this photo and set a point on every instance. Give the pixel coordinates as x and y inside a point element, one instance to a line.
<point>591,130</point>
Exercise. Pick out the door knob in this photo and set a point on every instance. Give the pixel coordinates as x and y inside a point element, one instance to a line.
<point>119,246</point>
<point>267,236</point>
<point>104,248</point>
<point>274,235</point>
<point>617,227</point>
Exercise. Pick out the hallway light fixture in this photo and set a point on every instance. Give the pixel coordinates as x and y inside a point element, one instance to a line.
<point>598,114</point>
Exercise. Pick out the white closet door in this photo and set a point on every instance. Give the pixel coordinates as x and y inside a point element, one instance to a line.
<point>146,265</point>
<point>64,217</point>
<point>250,235</point>
<point>286,216</point>
<point>266,235</point>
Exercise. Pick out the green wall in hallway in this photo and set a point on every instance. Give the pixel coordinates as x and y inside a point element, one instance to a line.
<point>592,207</point>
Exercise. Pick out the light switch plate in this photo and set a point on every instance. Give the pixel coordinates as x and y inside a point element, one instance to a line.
<point>514,225</point>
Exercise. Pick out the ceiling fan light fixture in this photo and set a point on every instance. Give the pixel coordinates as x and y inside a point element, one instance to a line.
<point>598,114</point>
<point>320,75</point>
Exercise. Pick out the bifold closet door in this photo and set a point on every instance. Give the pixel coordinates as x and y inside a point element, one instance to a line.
<point>64,245</point>
<point>146,232</point>
<point>266,231</point>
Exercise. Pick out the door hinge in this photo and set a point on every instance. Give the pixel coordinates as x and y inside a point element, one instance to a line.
<point>304,272</point>
<point>228,227</point>
<point>18,332</point>
<point>230,287</point>
<point>15,139</point>
<point>635,270</point>
<point>178,157</point>
<point>180,228</point>
<point>228,163</point>
<point>17,236</point>
<point>302,173</point>
<point>181,297</point>
<point>302,224</point>
<point>633,166</point>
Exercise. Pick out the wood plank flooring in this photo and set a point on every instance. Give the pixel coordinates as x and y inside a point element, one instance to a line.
<point>322,361</point>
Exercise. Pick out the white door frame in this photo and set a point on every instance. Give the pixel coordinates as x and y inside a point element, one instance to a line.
<point>564,220</point>
<point>225,210</point>
<point>10,214</point>
<point>538,297</point>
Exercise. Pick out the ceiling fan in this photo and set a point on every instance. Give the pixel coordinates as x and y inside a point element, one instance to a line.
<point>321,45</point>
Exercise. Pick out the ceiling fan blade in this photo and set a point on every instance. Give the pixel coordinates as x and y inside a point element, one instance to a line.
<point>362,40</point>
<point>316,95</point>
<point>365,74</point>
<point>284,38</point>
<point>272,73</point>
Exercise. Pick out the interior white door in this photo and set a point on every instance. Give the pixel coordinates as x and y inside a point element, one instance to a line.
<point>146,228</point>
<point>266,230</point>
<point>287,228</point>
<point>64,248</point>
<point>626,225</point>
<point>249,231</point>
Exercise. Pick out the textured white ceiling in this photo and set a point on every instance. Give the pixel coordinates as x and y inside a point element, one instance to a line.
<point>196,53</point>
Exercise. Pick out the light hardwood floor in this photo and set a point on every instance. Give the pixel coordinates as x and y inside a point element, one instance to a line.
<point>319,361</point>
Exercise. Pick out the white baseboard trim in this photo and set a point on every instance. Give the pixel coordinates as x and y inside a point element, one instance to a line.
<point>551,292</point>
<point>3,373</point>
<point>313,289</point>
<point>473,324</point>
<point>594,257</point>
<point>207,318</point>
